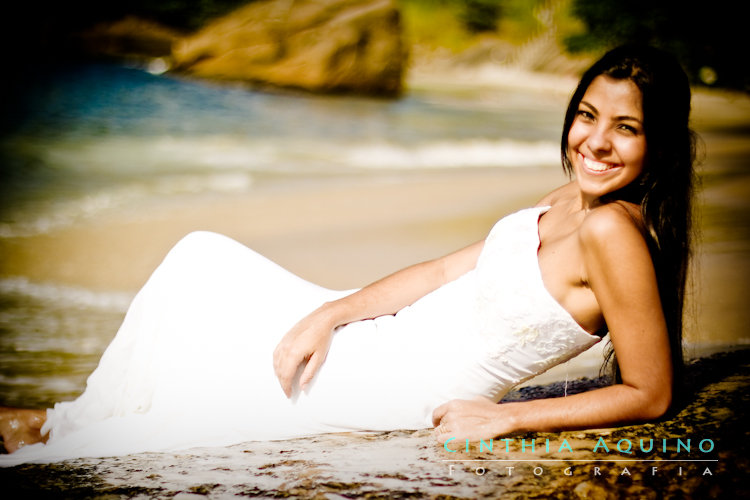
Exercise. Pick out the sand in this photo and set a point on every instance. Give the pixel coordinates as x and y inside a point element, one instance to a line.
<point>341,233</point>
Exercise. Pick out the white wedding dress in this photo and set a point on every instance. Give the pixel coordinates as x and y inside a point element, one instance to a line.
<point>192,362</point>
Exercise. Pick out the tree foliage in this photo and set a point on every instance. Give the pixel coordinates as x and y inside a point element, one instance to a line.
<point>708,39</point>
<point>480,15</point>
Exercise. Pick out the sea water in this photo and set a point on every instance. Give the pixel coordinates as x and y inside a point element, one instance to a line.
<point>82,139</point>
<point>85,138</point>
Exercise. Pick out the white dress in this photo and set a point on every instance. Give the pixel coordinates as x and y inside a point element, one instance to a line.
<point>192,362</point>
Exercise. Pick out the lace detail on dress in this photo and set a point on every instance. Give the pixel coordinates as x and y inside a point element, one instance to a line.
<point>524,329</point>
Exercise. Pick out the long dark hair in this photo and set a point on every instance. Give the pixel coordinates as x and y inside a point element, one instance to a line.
<point>664,190</point>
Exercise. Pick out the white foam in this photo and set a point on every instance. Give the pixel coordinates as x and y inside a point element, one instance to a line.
<point>200,155</point>
<point>63,213</point>
<point>131,170</point>
<point>456,154</point>
<point>66,295</point>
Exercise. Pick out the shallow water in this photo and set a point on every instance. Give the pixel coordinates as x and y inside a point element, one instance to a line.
<point>51,339</point>
<point>88,138</point>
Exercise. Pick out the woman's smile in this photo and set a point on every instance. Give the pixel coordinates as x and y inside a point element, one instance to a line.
<point>597,167</point>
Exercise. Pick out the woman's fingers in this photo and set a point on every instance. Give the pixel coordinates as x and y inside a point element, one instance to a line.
<point>305,344</point>
<point>284,376</point>
<point>469,419</point>
<point>285,363</point>
<point>438,414</point>
<point>293,352</point>
<point>453,408</point>
<point>443,432</point>
<point>316,359</point>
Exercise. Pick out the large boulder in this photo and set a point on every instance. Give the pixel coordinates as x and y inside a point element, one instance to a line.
<point>317,45</point>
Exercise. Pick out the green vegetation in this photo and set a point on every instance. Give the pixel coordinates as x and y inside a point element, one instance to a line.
<point>434,24</point>
<point>458,24</point>
<point>710,41</point>
<point>182,14</point>
<point>480,15</point>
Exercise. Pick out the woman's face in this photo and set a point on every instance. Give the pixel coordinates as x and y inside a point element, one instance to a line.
<point>606,142</point>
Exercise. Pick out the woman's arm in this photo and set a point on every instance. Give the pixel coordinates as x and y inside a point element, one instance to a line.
<point>308,341</point>
<point>620,272</point>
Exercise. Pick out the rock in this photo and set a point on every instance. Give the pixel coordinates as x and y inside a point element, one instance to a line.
<point>587,489</point>
<point>316,45</point>
<point>411,464</point>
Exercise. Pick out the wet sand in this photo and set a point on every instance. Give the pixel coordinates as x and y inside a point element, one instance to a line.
<point>339,232</point>
<point>344,232</point>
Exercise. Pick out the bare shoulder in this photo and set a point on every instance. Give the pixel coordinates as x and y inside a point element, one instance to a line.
<point>616,257</point>
<point>563,192</point>
<point>612,223</point>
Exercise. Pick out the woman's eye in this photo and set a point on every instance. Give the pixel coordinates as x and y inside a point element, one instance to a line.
<point>629,129</point>
<point>587,115</point>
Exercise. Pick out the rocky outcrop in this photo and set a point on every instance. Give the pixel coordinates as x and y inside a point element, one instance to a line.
<point>412,464</point>
<point>317,45</point>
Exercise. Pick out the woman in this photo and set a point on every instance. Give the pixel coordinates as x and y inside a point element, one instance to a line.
<point>436,343</point>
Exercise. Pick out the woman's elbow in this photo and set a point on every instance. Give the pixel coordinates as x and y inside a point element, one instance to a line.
<point>656,404</point>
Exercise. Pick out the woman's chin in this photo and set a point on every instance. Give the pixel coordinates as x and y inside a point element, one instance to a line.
<point>598,184</point>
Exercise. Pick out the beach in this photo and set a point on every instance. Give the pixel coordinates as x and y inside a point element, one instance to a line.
<point>343,231</point>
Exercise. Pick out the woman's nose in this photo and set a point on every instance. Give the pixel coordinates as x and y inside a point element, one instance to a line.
<point>598,140</point>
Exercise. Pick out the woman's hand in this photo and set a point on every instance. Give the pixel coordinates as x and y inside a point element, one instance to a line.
<point>308,341</point>
<point>474,419</point>
<point>307,344</point>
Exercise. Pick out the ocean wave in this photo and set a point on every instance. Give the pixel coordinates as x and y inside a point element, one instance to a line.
<point>162,155</point>
<point>60,213</point>
<point>113,173</point>
<point>455,154</point>
<point>64,295</point>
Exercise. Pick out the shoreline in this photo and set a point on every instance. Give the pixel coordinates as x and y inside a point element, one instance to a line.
<point>341,233</point>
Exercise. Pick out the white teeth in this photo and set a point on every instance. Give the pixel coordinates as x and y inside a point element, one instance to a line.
<point>596,166</point>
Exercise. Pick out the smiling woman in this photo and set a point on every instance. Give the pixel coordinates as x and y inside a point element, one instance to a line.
<point>218,328</point>
<point>607,141</point>
<point>663,189</point>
